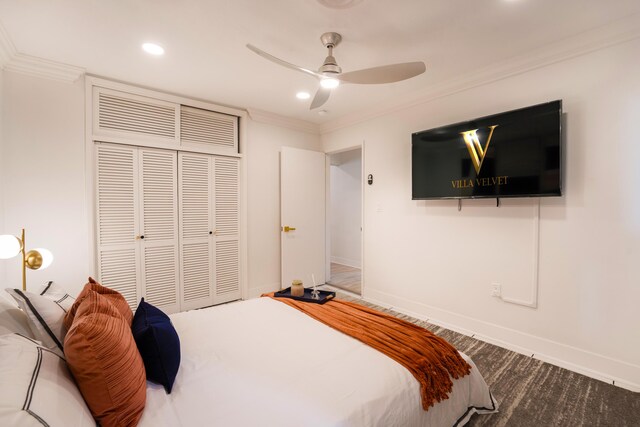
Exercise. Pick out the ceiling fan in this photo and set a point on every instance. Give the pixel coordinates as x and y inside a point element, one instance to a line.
<point>330,74</point>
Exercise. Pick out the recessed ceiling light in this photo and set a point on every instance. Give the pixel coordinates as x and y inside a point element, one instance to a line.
<point>153,49</point>
<point>303,95</point>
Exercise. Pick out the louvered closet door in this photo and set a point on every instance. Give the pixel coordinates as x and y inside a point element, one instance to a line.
<point>195,182</point>
<point>208,130</point>
<point>226,236</point>
<point>159,228</point>
<point>118,220</point>
<point>133,118</point>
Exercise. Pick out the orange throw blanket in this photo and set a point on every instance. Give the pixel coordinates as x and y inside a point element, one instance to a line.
<point>431,359</point>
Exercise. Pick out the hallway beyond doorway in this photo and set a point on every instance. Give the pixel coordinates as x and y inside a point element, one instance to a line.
<point>345,277</point>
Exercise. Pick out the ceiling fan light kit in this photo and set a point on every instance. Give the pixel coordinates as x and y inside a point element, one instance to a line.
<point>331,76</point>
<point>329,83</point>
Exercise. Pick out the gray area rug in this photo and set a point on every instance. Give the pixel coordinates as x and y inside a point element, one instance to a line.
<point>534,393</point>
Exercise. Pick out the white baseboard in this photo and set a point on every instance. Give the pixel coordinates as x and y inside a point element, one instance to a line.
<point>256,292</point>
<point>593,365</point>
<point>355,263</point>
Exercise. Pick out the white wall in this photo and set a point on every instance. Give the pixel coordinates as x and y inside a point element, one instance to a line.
<point>263,165</point>
<point>427,258</point>
<point>43,176</point>
<point>346,209</point>
<point>2,228</point>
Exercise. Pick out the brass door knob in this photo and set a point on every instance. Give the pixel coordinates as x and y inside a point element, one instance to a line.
<point>287,229</point>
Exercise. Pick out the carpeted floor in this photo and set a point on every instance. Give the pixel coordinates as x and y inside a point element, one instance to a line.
<point>533,393</point>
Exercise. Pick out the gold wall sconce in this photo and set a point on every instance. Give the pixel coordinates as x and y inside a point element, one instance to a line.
<point>35,259</point>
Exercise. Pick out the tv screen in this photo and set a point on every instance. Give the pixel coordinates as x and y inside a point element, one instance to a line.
<point>512,154</point>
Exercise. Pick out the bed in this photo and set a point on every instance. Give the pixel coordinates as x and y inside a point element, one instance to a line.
<point>262,363</point>
<point>259,362</point>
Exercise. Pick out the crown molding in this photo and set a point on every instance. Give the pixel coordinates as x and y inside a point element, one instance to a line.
<point>267,117</point>
<point>620,31</point>
<point>38,67</point>
<point>14,61</point>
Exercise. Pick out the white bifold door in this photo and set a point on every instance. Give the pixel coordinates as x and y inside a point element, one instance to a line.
<point>138,224</point>
<point>167,226</point>
<point>209,229</point>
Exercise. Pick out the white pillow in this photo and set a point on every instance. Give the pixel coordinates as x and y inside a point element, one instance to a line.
<point>7,298</point>
<point>37,388</point>
<point>45,318</point>
<point>55,292</point>
<point>13,320</point>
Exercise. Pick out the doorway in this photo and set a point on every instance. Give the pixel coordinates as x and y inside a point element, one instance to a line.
<point>345,220</point>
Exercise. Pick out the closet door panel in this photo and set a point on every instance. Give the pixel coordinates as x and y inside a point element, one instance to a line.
<point>128,118</point>
<point>226,214</point>
<point>227,197</point>
<point>119,271</point>
<point>227,271</point>
<point>196,264</point>
<point>196,228</point>
<point>117,219</point>
<point>208,131</point>
<point>159,228</point>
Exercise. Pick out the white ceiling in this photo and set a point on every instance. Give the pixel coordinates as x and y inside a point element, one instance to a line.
<point>206,55</point>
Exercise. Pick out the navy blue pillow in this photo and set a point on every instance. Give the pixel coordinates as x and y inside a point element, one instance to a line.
<point>158,343</point>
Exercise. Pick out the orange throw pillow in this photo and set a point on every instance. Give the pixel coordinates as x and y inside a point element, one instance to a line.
<point>102,356</point>
<point>114,298</point>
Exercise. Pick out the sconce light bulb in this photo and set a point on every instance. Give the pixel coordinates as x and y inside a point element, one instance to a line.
<point>9,246</point>
<point>47,257</point>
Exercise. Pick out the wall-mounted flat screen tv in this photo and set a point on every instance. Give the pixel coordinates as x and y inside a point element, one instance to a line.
<point>512,154</point>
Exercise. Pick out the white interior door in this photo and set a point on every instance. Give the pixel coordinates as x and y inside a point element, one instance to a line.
<point>302,213</point>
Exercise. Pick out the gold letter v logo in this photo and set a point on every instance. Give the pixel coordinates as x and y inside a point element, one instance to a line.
<point>475,148</point>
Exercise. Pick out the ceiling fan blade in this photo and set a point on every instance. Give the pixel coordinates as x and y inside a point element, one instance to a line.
<point>322,95</point>
<point>384,74</point>
<point>281,62</point>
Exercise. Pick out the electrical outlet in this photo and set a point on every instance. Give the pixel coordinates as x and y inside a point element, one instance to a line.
<point>496,290</point>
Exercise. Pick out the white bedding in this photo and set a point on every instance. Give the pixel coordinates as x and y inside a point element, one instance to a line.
<point>263,363</point>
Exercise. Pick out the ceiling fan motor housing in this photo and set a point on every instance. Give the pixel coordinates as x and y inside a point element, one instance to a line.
<point>330,40</point>
<point>330,66</point>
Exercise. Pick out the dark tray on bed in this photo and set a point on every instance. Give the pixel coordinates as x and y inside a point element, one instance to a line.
<point>324,295</point>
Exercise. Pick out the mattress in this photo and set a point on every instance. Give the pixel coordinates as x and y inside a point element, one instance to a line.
<point>262,363</point>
